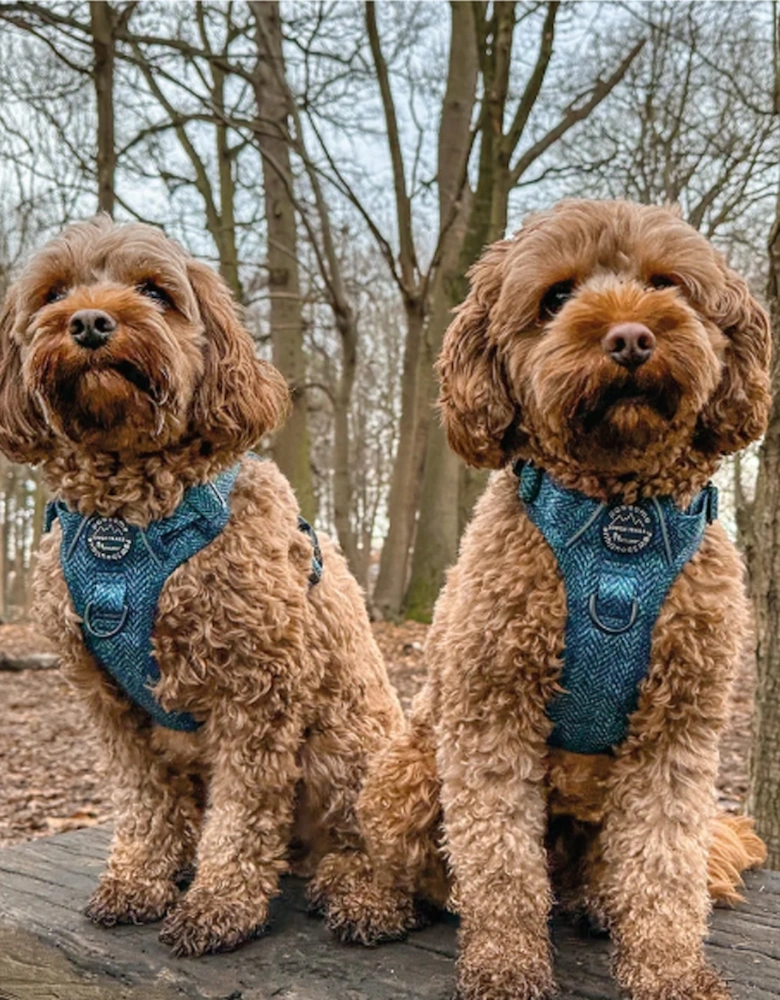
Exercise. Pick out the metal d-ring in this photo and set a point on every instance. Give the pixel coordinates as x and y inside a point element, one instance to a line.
<point>608,628</point>
<point>103,635</point>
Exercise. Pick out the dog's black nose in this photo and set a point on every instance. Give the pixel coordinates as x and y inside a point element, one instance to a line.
<point>630,344</point>
<point>91,327</point>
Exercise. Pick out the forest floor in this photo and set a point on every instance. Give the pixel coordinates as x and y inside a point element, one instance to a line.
<point>50,782</point>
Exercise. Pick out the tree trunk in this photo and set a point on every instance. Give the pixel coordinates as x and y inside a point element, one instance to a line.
<point>102,30</point>
<point>407,472</point>
<point>226,236</point>
<point>16,596</point>
<point>438,528</point>
<point>342,481</point>
<point>487,219</point>
<point>291,448</point>
<point>764,567</point>
<point>438,524</point>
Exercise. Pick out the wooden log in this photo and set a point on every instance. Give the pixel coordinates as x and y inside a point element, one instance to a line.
<point>49,951</point>
<point>29,661</point>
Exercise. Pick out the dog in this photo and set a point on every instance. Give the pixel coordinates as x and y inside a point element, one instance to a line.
<point>580,661</point>
<point>239,734</point>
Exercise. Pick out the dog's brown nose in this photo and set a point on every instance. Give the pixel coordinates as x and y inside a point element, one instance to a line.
<point>630,344</point>
<point>91,327</point>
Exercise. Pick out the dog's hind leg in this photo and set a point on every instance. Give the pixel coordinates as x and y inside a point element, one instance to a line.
<point>371,895</point>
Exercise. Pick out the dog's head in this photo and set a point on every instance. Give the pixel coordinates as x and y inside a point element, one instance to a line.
<point>599,336</point>
<point>115,339</point>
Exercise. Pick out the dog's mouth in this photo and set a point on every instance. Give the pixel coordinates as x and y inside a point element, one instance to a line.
<point>102,373</point>
<point>136,377</point>
<point>662,400</point>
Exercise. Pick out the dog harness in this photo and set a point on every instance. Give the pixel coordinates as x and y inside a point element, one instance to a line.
<point>618,562</point>
<point>116,571</point>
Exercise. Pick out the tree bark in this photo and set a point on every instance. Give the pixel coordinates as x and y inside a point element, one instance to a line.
<point>102,32</point>
<point>225,236</point>
<point>407,472</point>
<point>415,416</point>
<point>438,527</point>
<point>291,447</point>
<point>439,521</point>
<point>764,567</point>
<point>342,480</point>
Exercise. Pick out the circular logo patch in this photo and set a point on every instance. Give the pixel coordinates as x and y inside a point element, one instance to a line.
<point>109,538</point>
<point>629,529</point>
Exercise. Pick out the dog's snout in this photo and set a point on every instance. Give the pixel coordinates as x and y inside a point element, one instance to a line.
<point>629,344</point>
<point>91,327</point>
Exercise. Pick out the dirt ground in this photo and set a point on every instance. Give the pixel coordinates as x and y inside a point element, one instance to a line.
<point>48,779</point>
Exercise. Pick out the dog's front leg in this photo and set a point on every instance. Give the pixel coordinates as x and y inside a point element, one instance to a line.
<point>655,844</point>
<point>155,815</point>
<point>494,818</point>
<point>661,792</point>
<point>243,846</point>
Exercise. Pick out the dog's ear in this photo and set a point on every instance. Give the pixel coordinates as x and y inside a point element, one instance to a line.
<point>23,430</point>
<point>738,410</point>
<point>475,407</point>
<point>240,398</point>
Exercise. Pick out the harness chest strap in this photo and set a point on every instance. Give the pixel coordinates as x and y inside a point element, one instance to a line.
<point>618,563</point>
<point>115,573</point>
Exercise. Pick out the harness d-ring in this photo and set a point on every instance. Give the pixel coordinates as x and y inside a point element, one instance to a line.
<point>103,635</point>
<point>608,628</point>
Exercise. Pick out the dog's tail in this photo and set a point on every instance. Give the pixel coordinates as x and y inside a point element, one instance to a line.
<point>735,847</point>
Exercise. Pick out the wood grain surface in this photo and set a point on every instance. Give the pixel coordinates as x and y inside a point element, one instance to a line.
<point>49,951</point>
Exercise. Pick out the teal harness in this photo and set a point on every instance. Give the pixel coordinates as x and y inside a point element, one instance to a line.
<point>618,562</point>
<point>115,573</point>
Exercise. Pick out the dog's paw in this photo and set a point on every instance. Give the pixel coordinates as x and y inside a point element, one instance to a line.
<point>369,916</point>
<point>203,923</point>
<point>499,972</point>
<point>119,901</point>
<point>356,909</point>
<point>699,983</point>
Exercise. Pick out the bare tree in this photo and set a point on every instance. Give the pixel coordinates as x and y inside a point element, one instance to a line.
<point>764,565</point>
<point>505,157</point>
<point>91,36</point>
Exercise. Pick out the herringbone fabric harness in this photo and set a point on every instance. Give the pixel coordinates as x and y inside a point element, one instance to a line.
<point>618,562</point>
<point>116,571</point>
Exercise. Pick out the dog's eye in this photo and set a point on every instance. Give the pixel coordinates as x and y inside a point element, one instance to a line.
<point>153,291</point>
<point>555,298</point>
<point>662,281</point>
<point>55,294</point>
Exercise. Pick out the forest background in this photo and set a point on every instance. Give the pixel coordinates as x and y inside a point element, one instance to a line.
<point>342,164</point>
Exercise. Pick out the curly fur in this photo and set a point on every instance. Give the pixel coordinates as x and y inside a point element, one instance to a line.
<point>630,838</point>
<point>286,679</point>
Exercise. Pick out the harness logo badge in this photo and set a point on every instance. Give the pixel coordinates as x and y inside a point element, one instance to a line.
<point>109,538</point>
<point>629,529</point>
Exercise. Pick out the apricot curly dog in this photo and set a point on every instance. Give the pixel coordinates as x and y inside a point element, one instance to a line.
<point>583,650</point>
<point>258,692</point>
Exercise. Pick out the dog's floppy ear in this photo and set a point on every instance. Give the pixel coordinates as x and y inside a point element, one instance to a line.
<point>23,430</point>
<point>240,398</point>
<point>475,407</point>
<point>738,411</point>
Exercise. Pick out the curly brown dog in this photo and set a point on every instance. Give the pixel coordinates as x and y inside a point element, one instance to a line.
<point>610,354</point>
<point>125,371</point>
